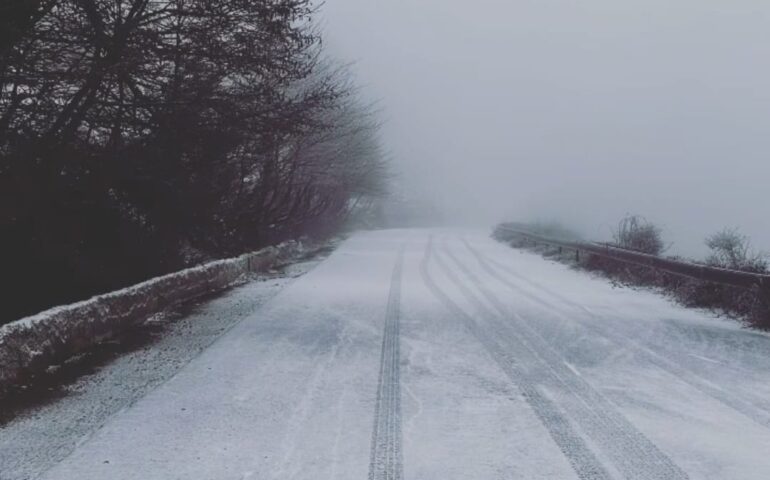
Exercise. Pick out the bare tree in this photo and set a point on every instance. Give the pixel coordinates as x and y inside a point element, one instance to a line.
<point>731,249</point>
<point>634,232</point>
<point>137,136</point>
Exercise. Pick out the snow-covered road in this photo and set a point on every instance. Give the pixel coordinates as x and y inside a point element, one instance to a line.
<point>442,354</point>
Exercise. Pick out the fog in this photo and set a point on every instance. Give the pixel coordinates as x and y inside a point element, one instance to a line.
<point>573,111</point>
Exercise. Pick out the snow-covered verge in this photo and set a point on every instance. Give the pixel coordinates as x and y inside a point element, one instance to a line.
<point>30,344</point>
<point>42,424</point>
<point>743,295</point>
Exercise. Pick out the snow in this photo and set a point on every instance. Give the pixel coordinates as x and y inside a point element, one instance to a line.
<point>511,366</point>
<point>44,434</point>
<point>32,343</point>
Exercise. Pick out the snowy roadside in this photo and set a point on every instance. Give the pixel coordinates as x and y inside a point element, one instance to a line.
<point>498,365</point>
<point>41,427</point>
<point>30,345</point>
<point>740,293</point>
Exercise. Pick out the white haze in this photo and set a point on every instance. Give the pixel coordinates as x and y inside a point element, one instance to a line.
<point>578,111</point>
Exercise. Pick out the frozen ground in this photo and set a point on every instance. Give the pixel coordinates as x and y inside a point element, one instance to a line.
<point>42,428</point>
<point>436,355</point>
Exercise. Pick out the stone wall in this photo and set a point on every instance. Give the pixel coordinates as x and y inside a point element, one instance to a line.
<point>31,344</point>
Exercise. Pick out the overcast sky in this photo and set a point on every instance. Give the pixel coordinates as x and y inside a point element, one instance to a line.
<point>577,110</point>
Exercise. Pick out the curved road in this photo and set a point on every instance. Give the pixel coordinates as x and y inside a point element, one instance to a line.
<point>422,354</point>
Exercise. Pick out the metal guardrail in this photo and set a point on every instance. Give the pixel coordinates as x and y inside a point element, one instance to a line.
<point>705,273</point>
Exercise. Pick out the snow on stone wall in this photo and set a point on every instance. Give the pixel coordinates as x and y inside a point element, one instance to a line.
<point>31,344</point>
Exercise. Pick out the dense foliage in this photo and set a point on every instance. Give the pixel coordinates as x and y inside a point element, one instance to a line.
<point>140,136</point>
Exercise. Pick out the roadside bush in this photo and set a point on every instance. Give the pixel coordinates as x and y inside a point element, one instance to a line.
<point>634,232</point>
<point>730,249</point>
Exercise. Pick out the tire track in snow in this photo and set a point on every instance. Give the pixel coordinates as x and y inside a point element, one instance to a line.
<point>633,454</point>
<point>676,367</point>
<point>583,461</point>
<point>386,461</point>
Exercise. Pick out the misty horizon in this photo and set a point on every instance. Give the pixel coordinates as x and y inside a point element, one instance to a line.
<point>576,113</point>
